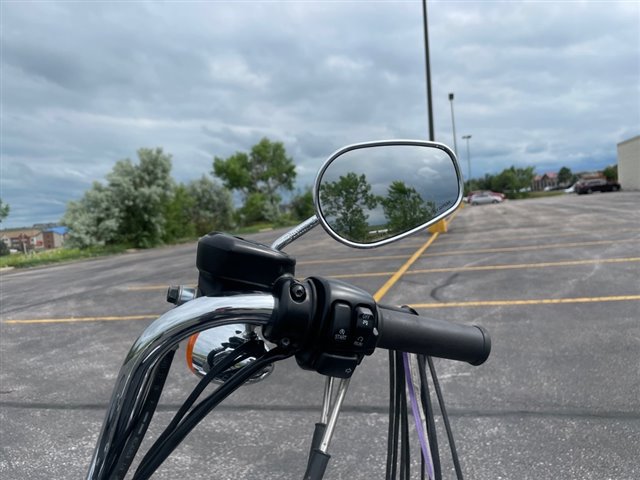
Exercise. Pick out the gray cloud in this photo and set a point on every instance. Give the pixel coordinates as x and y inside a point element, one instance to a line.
<point>87,84</point>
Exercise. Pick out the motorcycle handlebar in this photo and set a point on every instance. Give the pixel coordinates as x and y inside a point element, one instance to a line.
<point>407,332</point>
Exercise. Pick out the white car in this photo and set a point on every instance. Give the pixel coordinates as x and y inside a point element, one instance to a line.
<point>484,198</point>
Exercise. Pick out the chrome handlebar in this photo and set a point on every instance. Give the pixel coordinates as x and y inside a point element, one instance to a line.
<point>160,338</point>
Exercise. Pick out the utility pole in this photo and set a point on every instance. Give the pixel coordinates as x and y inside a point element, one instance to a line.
<point>467,137</point>
<point>453,123</point>
<point>428,68</point>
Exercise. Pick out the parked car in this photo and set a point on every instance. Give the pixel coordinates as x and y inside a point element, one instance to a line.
<point>482,198</point>
<point>595,185</point>
<point>476,192</point>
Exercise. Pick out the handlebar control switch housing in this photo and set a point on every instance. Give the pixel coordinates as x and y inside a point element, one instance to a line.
<point>293,316</point>
<point>343,331</point>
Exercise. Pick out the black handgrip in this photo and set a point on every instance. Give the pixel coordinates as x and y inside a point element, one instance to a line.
<point>406,332</point>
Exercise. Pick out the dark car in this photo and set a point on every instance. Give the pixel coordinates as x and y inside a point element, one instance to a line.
<point>596,185</point>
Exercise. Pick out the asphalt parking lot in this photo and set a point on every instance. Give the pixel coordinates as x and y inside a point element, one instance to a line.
<point>555,281</point>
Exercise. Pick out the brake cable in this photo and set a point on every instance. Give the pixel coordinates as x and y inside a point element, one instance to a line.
<point>399,384</point>
<point>392,437</point>
<point>445,419</point>
<point>419,416</point>
<point>181,427</point>
<point>398,420</point>
<point>427,406</point>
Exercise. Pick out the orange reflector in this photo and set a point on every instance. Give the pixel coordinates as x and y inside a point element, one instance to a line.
<point>190,345</point>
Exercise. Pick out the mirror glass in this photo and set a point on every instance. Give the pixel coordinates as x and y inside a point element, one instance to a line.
<point>373,193</point>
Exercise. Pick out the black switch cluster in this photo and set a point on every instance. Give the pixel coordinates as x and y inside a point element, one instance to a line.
<point>352,329</point>
<point>343,329</point>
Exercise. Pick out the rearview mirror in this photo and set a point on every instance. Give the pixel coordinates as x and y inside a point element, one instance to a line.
<point>373,193</point>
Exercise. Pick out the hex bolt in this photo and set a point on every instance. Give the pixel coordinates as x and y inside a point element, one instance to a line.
<point>285,342</point>
<point>298,292</point>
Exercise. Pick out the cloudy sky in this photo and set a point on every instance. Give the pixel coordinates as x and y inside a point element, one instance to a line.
<point>85,84</point>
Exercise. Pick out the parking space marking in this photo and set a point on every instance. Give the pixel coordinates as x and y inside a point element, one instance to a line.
<point>525,248</point>
<point>82,319</point>
<point>352,259</point>
<point>546,235</point>
<point>382,291</point>
<point>566,263</point>
<point>539,301</point>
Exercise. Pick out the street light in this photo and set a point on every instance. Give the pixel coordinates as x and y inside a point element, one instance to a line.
<point>453,122</point>
<point>428,70</point>
<point>467,137</point>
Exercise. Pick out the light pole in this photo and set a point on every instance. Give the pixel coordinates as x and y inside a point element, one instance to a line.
<point>428,70</point>
<point>453,122</point>
<point>467,137</point>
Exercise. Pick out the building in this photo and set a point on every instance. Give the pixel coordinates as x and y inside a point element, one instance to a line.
<point>540,182</point>
<point>54,237</point>
<point>28,239</point>
<point>21,239</point>
<point>629,163</point>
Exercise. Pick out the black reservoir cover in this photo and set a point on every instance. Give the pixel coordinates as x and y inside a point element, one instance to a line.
<point>228,263</point>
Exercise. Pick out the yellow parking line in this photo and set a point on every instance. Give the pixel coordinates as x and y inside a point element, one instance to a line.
<point>530,247</point>
<point>453,252</point>
<point>352,259</point>
<point>541,301</point>
<point>382,291</point>
<point>528,237</point>
<point>82,319</point>
<point>567,263</point>
<point>396,276</point>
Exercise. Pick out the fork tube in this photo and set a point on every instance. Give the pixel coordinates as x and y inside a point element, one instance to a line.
<point>335,412</point>
<point>326,401</point>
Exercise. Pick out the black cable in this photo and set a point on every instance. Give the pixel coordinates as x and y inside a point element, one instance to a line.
<point>154,459</point>
<point>405,453</point>
<point>245,350</point>
<point>391,440</point>
<point>396,415</point>
<point>425,397</point>
<point>445,418</point>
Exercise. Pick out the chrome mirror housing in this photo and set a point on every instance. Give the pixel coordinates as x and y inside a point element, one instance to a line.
<point>374,193</point>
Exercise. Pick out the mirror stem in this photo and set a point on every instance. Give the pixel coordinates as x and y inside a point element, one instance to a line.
<point>295,233</point>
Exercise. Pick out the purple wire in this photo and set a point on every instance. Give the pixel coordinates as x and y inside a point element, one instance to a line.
<point>424,444</point>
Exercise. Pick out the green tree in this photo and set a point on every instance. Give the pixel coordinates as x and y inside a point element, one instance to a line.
<point>343,203</point>
<point>564,176</point>
<point>178,220</point>
<point>513,181</point>
<point>92,220</point>
<point>260,175</point>
<point>404,208</point>
<point>142,192</point>
<point>4,210</point>
<point>302,205</point>
<point>611,173</point>
<point>130,209</point>
<point>212,207</point>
